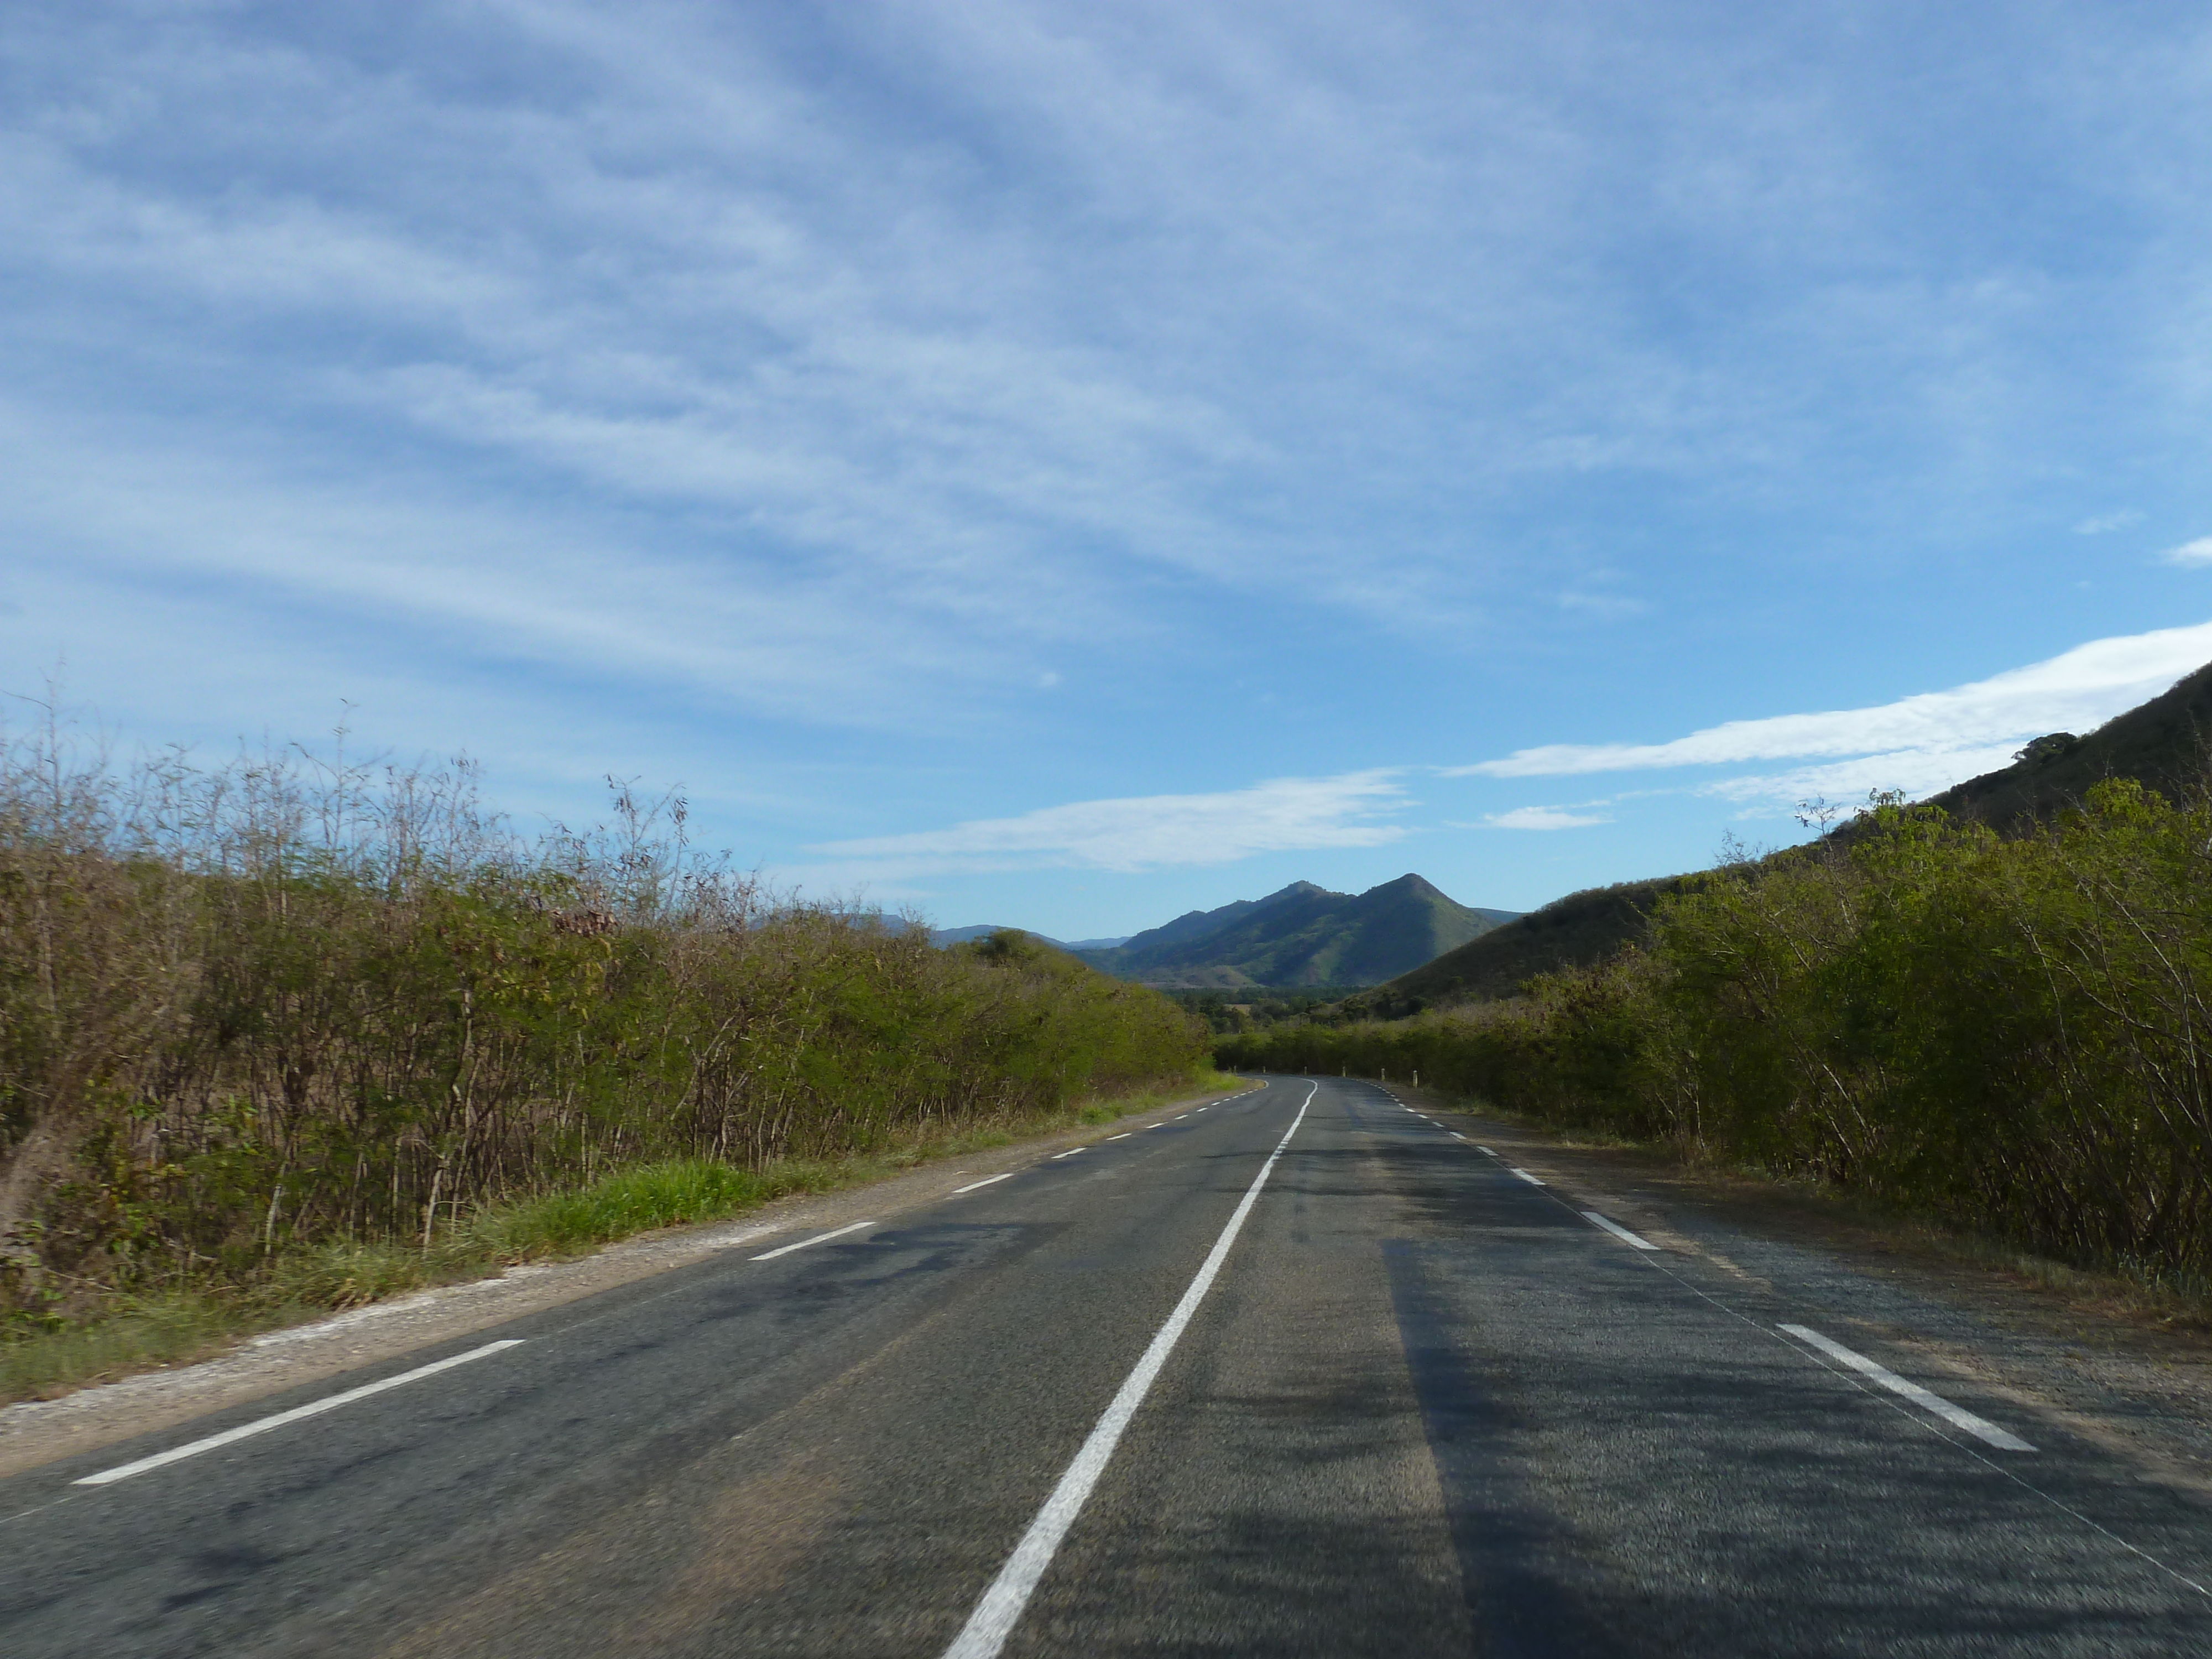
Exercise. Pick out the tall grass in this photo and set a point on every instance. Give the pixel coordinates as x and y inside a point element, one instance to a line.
<point>290,1004</point>
<point>2012,1035</point>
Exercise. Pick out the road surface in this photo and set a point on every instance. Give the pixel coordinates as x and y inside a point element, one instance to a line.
<point>1306,1372</point>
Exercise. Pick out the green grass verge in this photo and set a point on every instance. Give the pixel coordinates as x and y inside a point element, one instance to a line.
<point>191,1322</point>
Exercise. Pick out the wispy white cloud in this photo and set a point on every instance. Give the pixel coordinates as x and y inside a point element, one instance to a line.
<point>2191,553</point>
<point>2104,523</point>
<point>1542,817</point>
<point>1601,607</point>
<point>570,592</point>
<point>933,295</point>
<point>2074,690</point>
<point>1916,772</point>
<point>1145,833</point>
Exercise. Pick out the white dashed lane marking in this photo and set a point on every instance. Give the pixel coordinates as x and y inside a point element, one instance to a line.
<point>1958,1416</point>
<point>1619,1231</point>
<point>835,1232</point>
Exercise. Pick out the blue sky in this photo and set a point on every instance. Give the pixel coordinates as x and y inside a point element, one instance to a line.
<point>1065,464</point>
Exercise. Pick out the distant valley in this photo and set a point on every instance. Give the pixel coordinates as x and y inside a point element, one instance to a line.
<point>1302,935</point>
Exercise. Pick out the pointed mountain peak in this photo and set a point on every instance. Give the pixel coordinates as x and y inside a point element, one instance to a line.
<point>1418,886</point>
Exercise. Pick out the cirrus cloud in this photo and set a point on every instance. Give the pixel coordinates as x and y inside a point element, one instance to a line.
<point>1148,832</point>
<point>1541,817</point>
<point>2074,690</point>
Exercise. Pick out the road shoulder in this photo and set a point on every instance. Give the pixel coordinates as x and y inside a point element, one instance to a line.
<point>2068,1347</point>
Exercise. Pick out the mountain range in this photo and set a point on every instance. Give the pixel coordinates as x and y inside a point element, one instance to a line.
<point>1303,935</point>
<point>2162,742</point>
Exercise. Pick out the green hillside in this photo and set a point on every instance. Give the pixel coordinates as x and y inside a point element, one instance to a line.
<point>1577,931</point>
<point>1302,935</point>
<point>2162,742</point>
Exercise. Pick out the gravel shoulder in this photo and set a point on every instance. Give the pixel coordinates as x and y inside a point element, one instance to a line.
<point>34,1432</point>
<point>2075,1348</point>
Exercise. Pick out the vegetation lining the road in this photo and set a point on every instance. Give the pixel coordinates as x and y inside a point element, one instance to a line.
<point>1248,1005</point>
<point>2010,1035</point>
<point>289,1035</point>
<point>178,1321</point>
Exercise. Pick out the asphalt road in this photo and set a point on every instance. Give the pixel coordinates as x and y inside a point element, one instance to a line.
<point>1197,1389</point>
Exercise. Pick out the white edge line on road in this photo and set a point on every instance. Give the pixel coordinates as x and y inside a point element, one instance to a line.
<point>1124,1135</point>
<point>835,1232</point>
<point>1530,1179</point>
<point>1000,1609</point>
<point>1485,1152</point>
<point>313,1408</point>
<point>1179,1117</point>
<point>1619,1231</point>
<point>985,1181</point>
<point>1070,1152</point>
<point>1958,1416</point>
<point>1456,1135</point>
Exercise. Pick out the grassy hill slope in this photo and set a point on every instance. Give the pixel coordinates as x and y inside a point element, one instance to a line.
<point>2161,742</point>
<point>1577,931</point>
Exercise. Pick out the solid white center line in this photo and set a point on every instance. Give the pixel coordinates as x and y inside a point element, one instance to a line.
<point>1619,1231</point>
<point>835,1232</point>
<point>1000,1609</point>
<point>313,1408</point>
<point>1526,1176</point>
<point>1957,1416</point>
<point>985,1181</point>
